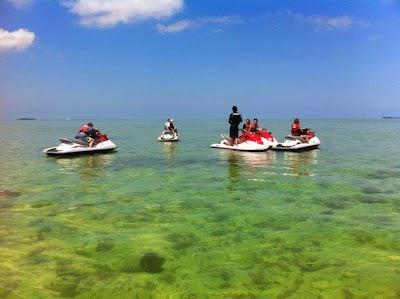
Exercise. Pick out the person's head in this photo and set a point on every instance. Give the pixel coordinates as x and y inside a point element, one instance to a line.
<point>90,124</point>
<point>255,121</point>
<point>171,120</point>
<point>234,109</point>
<point>248,121</point>
<point>296,121</point>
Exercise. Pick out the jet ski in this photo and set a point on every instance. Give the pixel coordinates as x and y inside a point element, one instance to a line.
<point>250,142</point>
<point>69,146</point>
<point>298,144</point>
<point>168,136</point>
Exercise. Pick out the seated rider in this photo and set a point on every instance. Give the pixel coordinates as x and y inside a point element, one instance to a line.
<point>169,127</point>
<point>87,133</point>
<point>297,131</point>
<point>246,126</point>
<point>254,128</point>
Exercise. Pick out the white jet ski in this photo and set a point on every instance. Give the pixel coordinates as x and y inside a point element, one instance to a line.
<point>168,136</point>
<point>69,147</point>
<point>248,145</point>
<point>297,144</point>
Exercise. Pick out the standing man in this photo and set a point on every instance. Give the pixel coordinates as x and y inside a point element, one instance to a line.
<point>234,120</point>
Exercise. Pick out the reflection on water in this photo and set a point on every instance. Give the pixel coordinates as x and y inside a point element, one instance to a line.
<point>301,164</point>
<point>251,160</point>
<point>87,166</point>
<point>258,160</point>
<point>233,171</point>
<point>169,149</point>
<point>247,162</point>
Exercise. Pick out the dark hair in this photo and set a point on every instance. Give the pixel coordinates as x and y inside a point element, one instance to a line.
<point>296,121</point>
<point>90,124</point>
<point>248,119</point>
<point>234,109</point>
<point>256,119</point>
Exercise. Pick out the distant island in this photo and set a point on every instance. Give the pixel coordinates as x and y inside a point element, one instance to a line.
<point>391,117</point>
<point>26,118</point>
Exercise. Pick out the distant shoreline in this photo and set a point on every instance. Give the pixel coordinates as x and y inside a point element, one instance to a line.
<point>26,118</point>
<point>390,117</point>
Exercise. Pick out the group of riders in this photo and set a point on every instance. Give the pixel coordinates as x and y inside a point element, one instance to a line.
<point>91,135</point>
<point>252,129</point>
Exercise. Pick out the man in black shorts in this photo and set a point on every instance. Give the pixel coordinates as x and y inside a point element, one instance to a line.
<point>234,119</point>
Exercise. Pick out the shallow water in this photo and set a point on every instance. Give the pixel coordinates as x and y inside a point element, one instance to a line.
<point>320,224</point>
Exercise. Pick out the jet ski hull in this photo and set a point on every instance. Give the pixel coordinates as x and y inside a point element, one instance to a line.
<point>168,137</point>
<point>73,149</point>
<point>295,149</point>
<point>245,146</point>
<point>175,139</point>
<point>292,144</point>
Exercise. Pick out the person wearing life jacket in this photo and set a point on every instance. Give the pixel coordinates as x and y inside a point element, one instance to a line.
<point>246,126</point>
<point>169,127</point>
<point>235,118</point>
<point>87,133</point>
<point>254,126</point>
<point>297,130</point>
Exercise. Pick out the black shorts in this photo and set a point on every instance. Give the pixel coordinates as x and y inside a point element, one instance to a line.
<point>234,132</point>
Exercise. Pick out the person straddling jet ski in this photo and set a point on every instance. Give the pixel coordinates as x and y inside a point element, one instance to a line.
<point>254,127</point>
<point>296,130</point>
<point>87,133</point>
<point>169,127</point>
<point>246,126</point>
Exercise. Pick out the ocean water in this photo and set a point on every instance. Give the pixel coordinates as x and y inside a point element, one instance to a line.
<point>183,220</point>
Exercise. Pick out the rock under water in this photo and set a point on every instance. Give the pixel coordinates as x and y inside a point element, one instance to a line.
<point>152,263</point>
<point>9,193</point>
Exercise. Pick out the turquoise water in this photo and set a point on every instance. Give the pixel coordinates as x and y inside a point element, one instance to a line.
<point>156,220</point>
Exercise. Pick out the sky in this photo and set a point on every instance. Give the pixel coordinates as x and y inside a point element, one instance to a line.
<point>126,59</point>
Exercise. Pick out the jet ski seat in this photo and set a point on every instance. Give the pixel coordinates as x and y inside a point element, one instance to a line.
<point>71,140</point>
<point>291,137</point>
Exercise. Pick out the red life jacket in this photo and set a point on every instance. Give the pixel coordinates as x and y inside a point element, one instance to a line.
<point>296,130</point>
<point>84,128</point>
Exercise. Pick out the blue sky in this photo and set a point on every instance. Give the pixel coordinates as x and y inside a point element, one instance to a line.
<point>132,59</point>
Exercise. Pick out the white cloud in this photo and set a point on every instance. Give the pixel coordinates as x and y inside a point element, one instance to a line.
<point>191,24</point>
<point>177,26</point>
<point>328,22</point>
<point>107,13</point>
<point>15,40</point>
<point>20,3</point>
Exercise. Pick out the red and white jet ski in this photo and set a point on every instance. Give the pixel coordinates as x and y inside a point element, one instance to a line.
<point>250,142</point>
